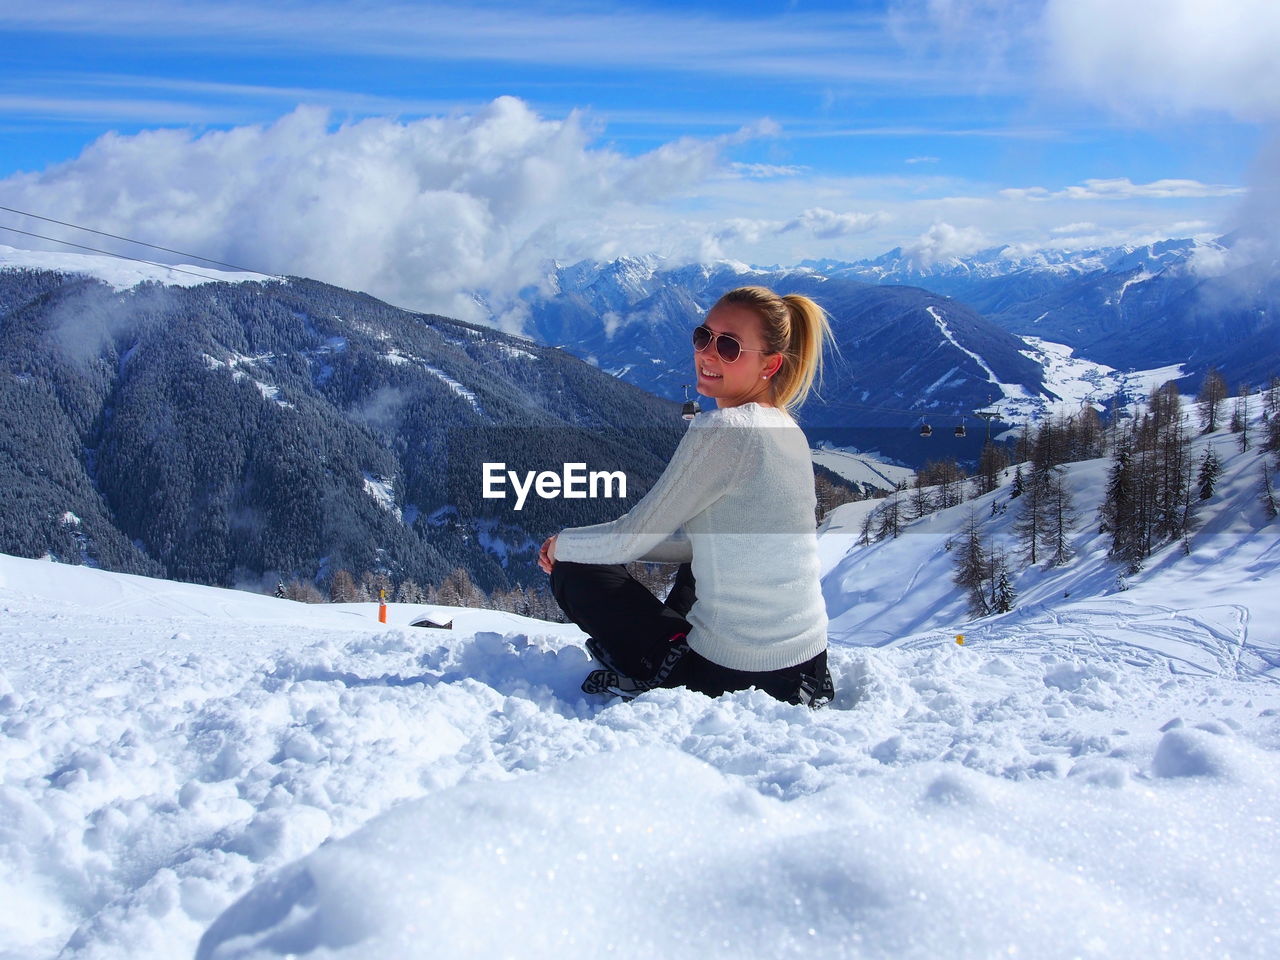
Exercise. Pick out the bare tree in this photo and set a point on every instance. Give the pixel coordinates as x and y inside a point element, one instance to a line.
<point>342,587</point>
<point>1212,392</point>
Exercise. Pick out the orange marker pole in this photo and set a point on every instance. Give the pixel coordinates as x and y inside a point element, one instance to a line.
<point>382,606</point>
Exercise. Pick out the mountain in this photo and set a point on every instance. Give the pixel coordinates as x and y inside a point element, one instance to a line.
<point>904,354</point>
<point>238,432</point>
<point>1199,303</point>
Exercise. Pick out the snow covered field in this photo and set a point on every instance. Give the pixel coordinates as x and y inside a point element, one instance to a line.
<point>191,771</point>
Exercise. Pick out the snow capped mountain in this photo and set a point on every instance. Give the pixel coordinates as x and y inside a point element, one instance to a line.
<point>904,353</point>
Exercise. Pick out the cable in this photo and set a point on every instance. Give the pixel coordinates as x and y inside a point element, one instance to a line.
<point>141,243</point>
<point>121,256</point>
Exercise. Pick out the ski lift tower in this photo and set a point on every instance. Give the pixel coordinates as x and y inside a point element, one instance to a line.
<point>988,416</point>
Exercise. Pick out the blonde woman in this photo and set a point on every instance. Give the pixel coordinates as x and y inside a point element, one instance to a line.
<point>735,508</point>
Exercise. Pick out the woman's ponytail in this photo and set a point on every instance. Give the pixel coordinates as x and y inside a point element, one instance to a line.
<point>795,327</point>
<point>809,330</point>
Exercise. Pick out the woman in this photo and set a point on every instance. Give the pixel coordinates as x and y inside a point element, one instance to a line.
<point>735,507</point>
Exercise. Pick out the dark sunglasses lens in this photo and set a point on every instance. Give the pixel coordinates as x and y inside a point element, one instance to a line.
<point>728,348</point>
<point>701,337</point>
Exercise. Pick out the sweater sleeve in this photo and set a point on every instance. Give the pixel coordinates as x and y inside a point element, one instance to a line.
<point>677,548</point>
<point>704,466</point>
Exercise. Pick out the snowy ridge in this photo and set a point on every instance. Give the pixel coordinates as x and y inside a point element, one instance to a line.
<point>1088,775</point>
<point>861,468</point>
<point>124,274</point>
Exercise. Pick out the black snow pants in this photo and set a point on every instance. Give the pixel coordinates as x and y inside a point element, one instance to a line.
<point>634,633</point>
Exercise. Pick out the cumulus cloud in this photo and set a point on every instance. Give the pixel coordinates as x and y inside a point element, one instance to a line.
<point>942,241</point>
<point>419,213</point>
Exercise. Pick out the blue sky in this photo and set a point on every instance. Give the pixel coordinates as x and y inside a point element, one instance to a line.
<point>765,132</point>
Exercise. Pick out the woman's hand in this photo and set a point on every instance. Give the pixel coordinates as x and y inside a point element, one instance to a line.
<point>547,555</point>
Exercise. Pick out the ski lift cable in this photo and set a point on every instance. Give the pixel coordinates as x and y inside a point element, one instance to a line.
<point>141,243</point>
<point>121,256</point>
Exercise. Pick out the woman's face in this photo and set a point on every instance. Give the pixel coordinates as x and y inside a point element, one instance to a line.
<point>743,380</point>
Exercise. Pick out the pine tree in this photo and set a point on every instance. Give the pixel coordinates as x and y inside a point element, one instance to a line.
<point>1210,471</point>
<point>1002,593</point>
<point>973,567</point>
<point>1019,483</point>
<point>1120,515</point>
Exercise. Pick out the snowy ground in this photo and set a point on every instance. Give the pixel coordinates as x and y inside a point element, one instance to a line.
<point>190,771</point>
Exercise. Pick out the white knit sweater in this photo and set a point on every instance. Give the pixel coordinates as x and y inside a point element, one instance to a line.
<point>737,500</point>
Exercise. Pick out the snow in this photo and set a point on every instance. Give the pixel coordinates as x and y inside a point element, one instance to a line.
<point>124,274</point>
<point>1008,391</point>
<point>862,468</point>
<point>1077,382</point>
<point>196,771</point>
<point>382,490</point>
<point>456,387</point>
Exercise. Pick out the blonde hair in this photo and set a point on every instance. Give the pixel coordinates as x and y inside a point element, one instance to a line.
<point>795,327</point>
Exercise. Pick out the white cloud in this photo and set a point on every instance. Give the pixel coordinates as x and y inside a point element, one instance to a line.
<point>914,160</point>
<point>1084,226</point>
<point>827,224</point>
<point>415,212</point>
<point>766,171</point>
<point>1121,188</point>
<point>1176,56</point>
<point>942,240</point>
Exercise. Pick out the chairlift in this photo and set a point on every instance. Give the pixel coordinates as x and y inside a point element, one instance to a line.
<point>926,430</point>
<point>690,408</point>
<point>960,430</point>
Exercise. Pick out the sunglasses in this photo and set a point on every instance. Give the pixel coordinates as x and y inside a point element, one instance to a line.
<point>727,347</point>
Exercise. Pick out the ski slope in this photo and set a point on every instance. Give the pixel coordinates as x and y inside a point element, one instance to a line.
<point>190,771</point>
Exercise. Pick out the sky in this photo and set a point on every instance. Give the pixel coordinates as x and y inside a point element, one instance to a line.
<point>425,152</point>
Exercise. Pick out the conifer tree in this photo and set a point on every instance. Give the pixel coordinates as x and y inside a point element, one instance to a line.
<point>973,566</point>
<point>1120,515</point>
<point>1210,471</point>
<point>1002,593</point>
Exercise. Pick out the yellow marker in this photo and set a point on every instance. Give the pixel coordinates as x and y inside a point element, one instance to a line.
<point>960,639</point>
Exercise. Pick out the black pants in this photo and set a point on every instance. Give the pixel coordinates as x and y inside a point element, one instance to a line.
<point>634,629</point>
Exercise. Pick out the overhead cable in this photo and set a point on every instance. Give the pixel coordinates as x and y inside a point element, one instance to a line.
<point>141,243</point>
<point>81,246</point>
